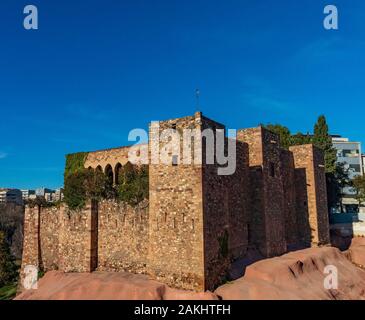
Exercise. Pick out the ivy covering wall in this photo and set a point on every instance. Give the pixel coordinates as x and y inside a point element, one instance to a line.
<point>81,184</point>
<point>75,162</point>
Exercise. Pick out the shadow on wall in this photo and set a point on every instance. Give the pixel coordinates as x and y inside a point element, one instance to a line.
<point>257,235</point>
<point>342,230</point>
<point>302,206</point>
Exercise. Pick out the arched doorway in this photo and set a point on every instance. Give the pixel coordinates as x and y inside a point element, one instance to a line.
<point>117,170</point>
<point>109,173</point>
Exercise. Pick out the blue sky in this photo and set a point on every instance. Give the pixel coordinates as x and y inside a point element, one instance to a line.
<point>94,70</point>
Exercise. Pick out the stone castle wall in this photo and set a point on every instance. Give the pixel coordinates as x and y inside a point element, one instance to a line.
<point>289,193</point>
<point>225,217</point>
<point>111,156</point>
<point>311,194</point>
<point>266,225</point>
<point>176,253</point>
<point>105,236</point>
<point>195,222</point>
<point>123,237</point>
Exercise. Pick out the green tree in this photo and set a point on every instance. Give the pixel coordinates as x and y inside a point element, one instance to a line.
<point>286,138</point>
<point>74,191</point>
<point>133,184</point>
<point>323,140</point>
<point>8,268</point>
<point>359,188</point>
<point>300,138</point>
<point>336,176</point>
<point>86,184</point>
<point>336,181</point>
<point>283,133</point>
<point>97,185</point>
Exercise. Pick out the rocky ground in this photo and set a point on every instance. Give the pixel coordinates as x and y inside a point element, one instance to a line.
<point>297,275</point>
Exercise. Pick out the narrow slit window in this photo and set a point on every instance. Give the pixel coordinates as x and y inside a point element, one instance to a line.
<point>175,160</point>
<point>272,169</point>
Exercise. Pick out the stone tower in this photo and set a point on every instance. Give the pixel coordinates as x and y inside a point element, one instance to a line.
<point>267,223</point>
<point>192,238</point>
<point>311,195</point>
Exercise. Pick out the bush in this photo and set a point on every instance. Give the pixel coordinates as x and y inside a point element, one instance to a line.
<point>8,292</point>
<point>75,162</point>
<point>87,184</point>
<point>74,192</point>
<point>8,268</point>
<point>97,185</point>
<point>133,184</point>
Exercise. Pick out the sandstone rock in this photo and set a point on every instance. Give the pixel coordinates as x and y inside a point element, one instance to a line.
<point>356,251</point>
<point>297,275</point>
<point>95,286</point>
<point>57,285</point>
<point>294,276</point>
<point>175,294</point>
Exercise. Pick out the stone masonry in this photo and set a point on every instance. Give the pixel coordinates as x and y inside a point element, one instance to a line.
<point>195,222</point>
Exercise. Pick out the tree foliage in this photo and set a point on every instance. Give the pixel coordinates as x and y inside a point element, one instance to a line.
<point>133,184</point>
<point>337,177</point>
<point>75,162</point>
<point>283,133</point>
<point>359,188</point>
<point>89,184</point>
<point>8,268</point>
<point>300,138</point>
<point>323,140</point>
<point>86,184</point>
<point>286,138</point>
<point>336,181</point>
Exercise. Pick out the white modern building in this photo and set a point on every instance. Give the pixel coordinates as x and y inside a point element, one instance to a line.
<point>58,195</point>
<point>41,192</point>
<point>11,196</point>
<point>28,194</point>
<point>349,153</point>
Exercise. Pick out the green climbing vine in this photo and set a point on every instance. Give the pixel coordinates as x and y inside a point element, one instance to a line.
<point>75,162</point>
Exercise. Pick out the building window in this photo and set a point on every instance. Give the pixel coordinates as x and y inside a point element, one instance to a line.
<point>175,160</point>
<point>355,168</point>
<point>272,169</point>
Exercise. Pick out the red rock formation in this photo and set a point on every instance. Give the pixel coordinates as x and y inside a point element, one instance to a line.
<point>297,275</point>
<point>356,251</point>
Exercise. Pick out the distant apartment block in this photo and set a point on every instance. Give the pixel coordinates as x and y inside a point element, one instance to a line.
<point>11,196</point>
<point>58,195</point>
<point>41,192</point>
<point>50,195</point>
<point>349,153</point>
<point>27,194</point>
